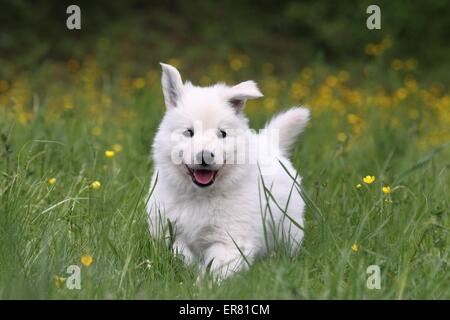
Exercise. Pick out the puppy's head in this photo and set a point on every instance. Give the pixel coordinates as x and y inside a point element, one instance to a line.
<point>197,140</point>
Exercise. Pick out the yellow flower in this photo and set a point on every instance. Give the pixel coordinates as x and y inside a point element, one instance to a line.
<point>59,281</point>
<point>51,181</point>
<point>355,247</point>
<point>73,65</point>
<point>117,148</point>
<point>401,93</point>
<point>369,179</point>
<point>358,186</point>
<point>411,84</point>
<point>341,137</point>
<point>269,103</point>
<point>96,185</point>
<point>87,260</point>
<point>96,131</point>
<point>343,76</point>
<point>3,86</point>
<point>236,64</point>
<point>386,190</point>
<point>138,83</point>
<point>378,49</point>
<point>109,153</point>
<point>331,81</point>
<point>353,118</point>
<point>67,103</point>
<point>22,118</point>
<point>370,49</point>
<point>411,64</point>
<point>397,64</point>
<point>174,62</point>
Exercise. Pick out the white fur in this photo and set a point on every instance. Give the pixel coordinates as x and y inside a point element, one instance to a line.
<point>219,223</point>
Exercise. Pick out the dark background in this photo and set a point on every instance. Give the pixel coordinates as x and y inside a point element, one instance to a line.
<point>292,33</point>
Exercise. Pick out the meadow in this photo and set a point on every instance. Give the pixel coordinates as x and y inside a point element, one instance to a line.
<point>75,168</point>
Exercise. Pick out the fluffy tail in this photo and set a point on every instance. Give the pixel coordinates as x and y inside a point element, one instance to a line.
<point>289,125</point>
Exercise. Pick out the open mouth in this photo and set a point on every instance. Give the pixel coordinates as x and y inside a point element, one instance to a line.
<point>202,177</point>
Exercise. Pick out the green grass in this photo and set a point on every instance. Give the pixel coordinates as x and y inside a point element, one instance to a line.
<point>45,228</point>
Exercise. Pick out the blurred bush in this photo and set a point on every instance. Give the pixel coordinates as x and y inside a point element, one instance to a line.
<point>288,32</point>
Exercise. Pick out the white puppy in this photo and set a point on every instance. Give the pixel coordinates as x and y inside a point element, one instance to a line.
<point>220,185</point>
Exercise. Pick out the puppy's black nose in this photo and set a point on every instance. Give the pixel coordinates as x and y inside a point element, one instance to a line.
<point>205,158</point>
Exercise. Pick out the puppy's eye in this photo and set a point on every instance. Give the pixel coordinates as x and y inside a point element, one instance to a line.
<point>188,133</point>
<point>222,134</point>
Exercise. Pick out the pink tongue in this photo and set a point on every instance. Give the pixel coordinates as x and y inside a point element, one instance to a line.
<point>203,176</point>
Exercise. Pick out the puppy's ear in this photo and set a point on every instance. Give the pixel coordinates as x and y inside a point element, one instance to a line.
<point>172,85</point>
<point>241,92</point>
